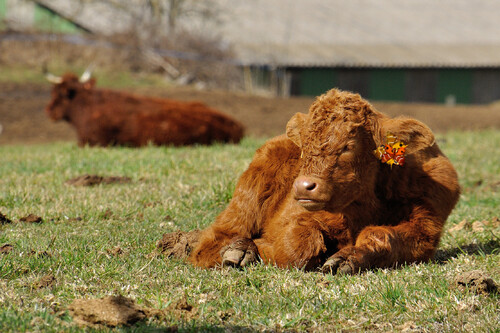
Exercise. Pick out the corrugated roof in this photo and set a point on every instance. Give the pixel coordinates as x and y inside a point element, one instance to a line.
<point>371,55</point>
<point>382,33</point>
<point>419,33</point>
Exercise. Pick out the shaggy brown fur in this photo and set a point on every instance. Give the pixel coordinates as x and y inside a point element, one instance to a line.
<point>104,117</point>
<point>319,197</point>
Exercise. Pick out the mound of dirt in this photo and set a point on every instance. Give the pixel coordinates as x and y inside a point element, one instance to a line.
<point>115,251</point>
<point>38,254</point>
<point>181,309</point>
<point>476,281</point>
<point>4,219</point>
<point>91,180</point>
<point>116,311</point>
<point>45,281</point>
<point>6,249</point>
<point>178,244</point>
<point>109,311</point>
<point>31,218</point>
<point>476,225</point>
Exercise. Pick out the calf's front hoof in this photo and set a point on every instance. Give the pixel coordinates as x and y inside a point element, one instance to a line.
<point>338,265</point>
<point>239,253</point>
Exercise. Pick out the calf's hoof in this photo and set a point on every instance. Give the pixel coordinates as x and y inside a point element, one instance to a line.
<point>338,265</point>
<point>239,253</point>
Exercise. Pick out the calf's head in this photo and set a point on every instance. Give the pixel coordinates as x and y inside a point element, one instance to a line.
<point>337,138</point>
<point>66,89</point>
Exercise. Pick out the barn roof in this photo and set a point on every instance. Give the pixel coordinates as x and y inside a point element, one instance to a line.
<point>394,33</point>
<point>347,33</point>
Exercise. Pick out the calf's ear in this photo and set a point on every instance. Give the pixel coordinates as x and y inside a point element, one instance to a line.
<point>294,126</point>
<point>411,131</point>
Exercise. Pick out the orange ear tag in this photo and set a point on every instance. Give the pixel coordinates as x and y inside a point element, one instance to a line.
<point>393,152</point>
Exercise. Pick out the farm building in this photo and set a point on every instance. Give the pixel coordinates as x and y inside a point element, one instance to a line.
<point>410,50</point>
<point>445,51</point>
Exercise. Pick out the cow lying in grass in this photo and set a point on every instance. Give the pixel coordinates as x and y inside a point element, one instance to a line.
<point>324,196</point>
<point>105,117</point>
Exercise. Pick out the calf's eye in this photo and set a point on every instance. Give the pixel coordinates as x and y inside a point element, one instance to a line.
<point>347,148</point>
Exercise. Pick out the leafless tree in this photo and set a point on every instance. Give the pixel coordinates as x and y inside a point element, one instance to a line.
<point>159,25</point>
<point>164,13</point>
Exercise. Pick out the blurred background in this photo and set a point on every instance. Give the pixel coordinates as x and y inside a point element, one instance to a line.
<point>423,55</point>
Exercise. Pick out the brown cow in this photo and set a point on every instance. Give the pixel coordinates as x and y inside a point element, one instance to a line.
<point>319,196</point>
<point>105,117</point>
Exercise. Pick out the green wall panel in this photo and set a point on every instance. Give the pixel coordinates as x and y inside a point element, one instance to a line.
<point>455,82</point>
<point>316,81</point>
<point>392,84</point>
<point>387,84</point>
<point>46,20</point>
<point>3,8</point>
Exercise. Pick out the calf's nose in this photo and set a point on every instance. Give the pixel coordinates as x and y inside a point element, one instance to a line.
<point>305,187</point>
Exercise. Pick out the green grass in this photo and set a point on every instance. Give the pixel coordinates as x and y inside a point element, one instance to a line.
<point>185,188</point>
<point>115,79</point>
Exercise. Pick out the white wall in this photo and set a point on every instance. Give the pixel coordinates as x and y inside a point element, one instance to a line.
<point>20,14</point>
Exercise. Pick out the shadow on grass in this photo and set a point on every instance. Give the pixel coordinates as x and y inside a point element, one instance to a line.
<point>202,328</point>
<point>443,255</point>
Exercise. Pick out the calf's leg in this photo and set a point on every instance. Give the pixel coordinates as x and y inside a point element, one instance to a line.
<point>414,240</point>
<point>297,245</point>
<point>292,239</point>
<point>260,191</point>
<point>216,239</point>
<point>303,239</point>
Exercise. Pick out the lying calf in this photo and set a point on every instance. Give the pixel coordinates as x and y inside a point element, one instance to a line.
<point>346,189</point>
<point>103,117</point>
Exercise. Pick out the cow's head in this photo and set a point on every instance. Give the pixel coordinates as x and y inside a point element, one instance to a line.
<point>337,138</point>
<point>66,89</point>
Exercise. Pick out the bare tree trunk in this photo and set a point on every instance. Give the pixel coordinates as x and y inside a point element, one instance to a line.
<point>173,13</point>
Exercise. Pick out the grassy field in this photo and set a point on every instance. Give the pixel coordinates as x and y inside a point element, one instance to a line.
<point>185,188</point>
<point>107,78</point>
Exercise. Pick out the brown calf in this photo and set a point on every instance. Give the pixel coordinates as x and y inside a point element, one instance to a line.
<point>105,117</point>
<point>320,197</point>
